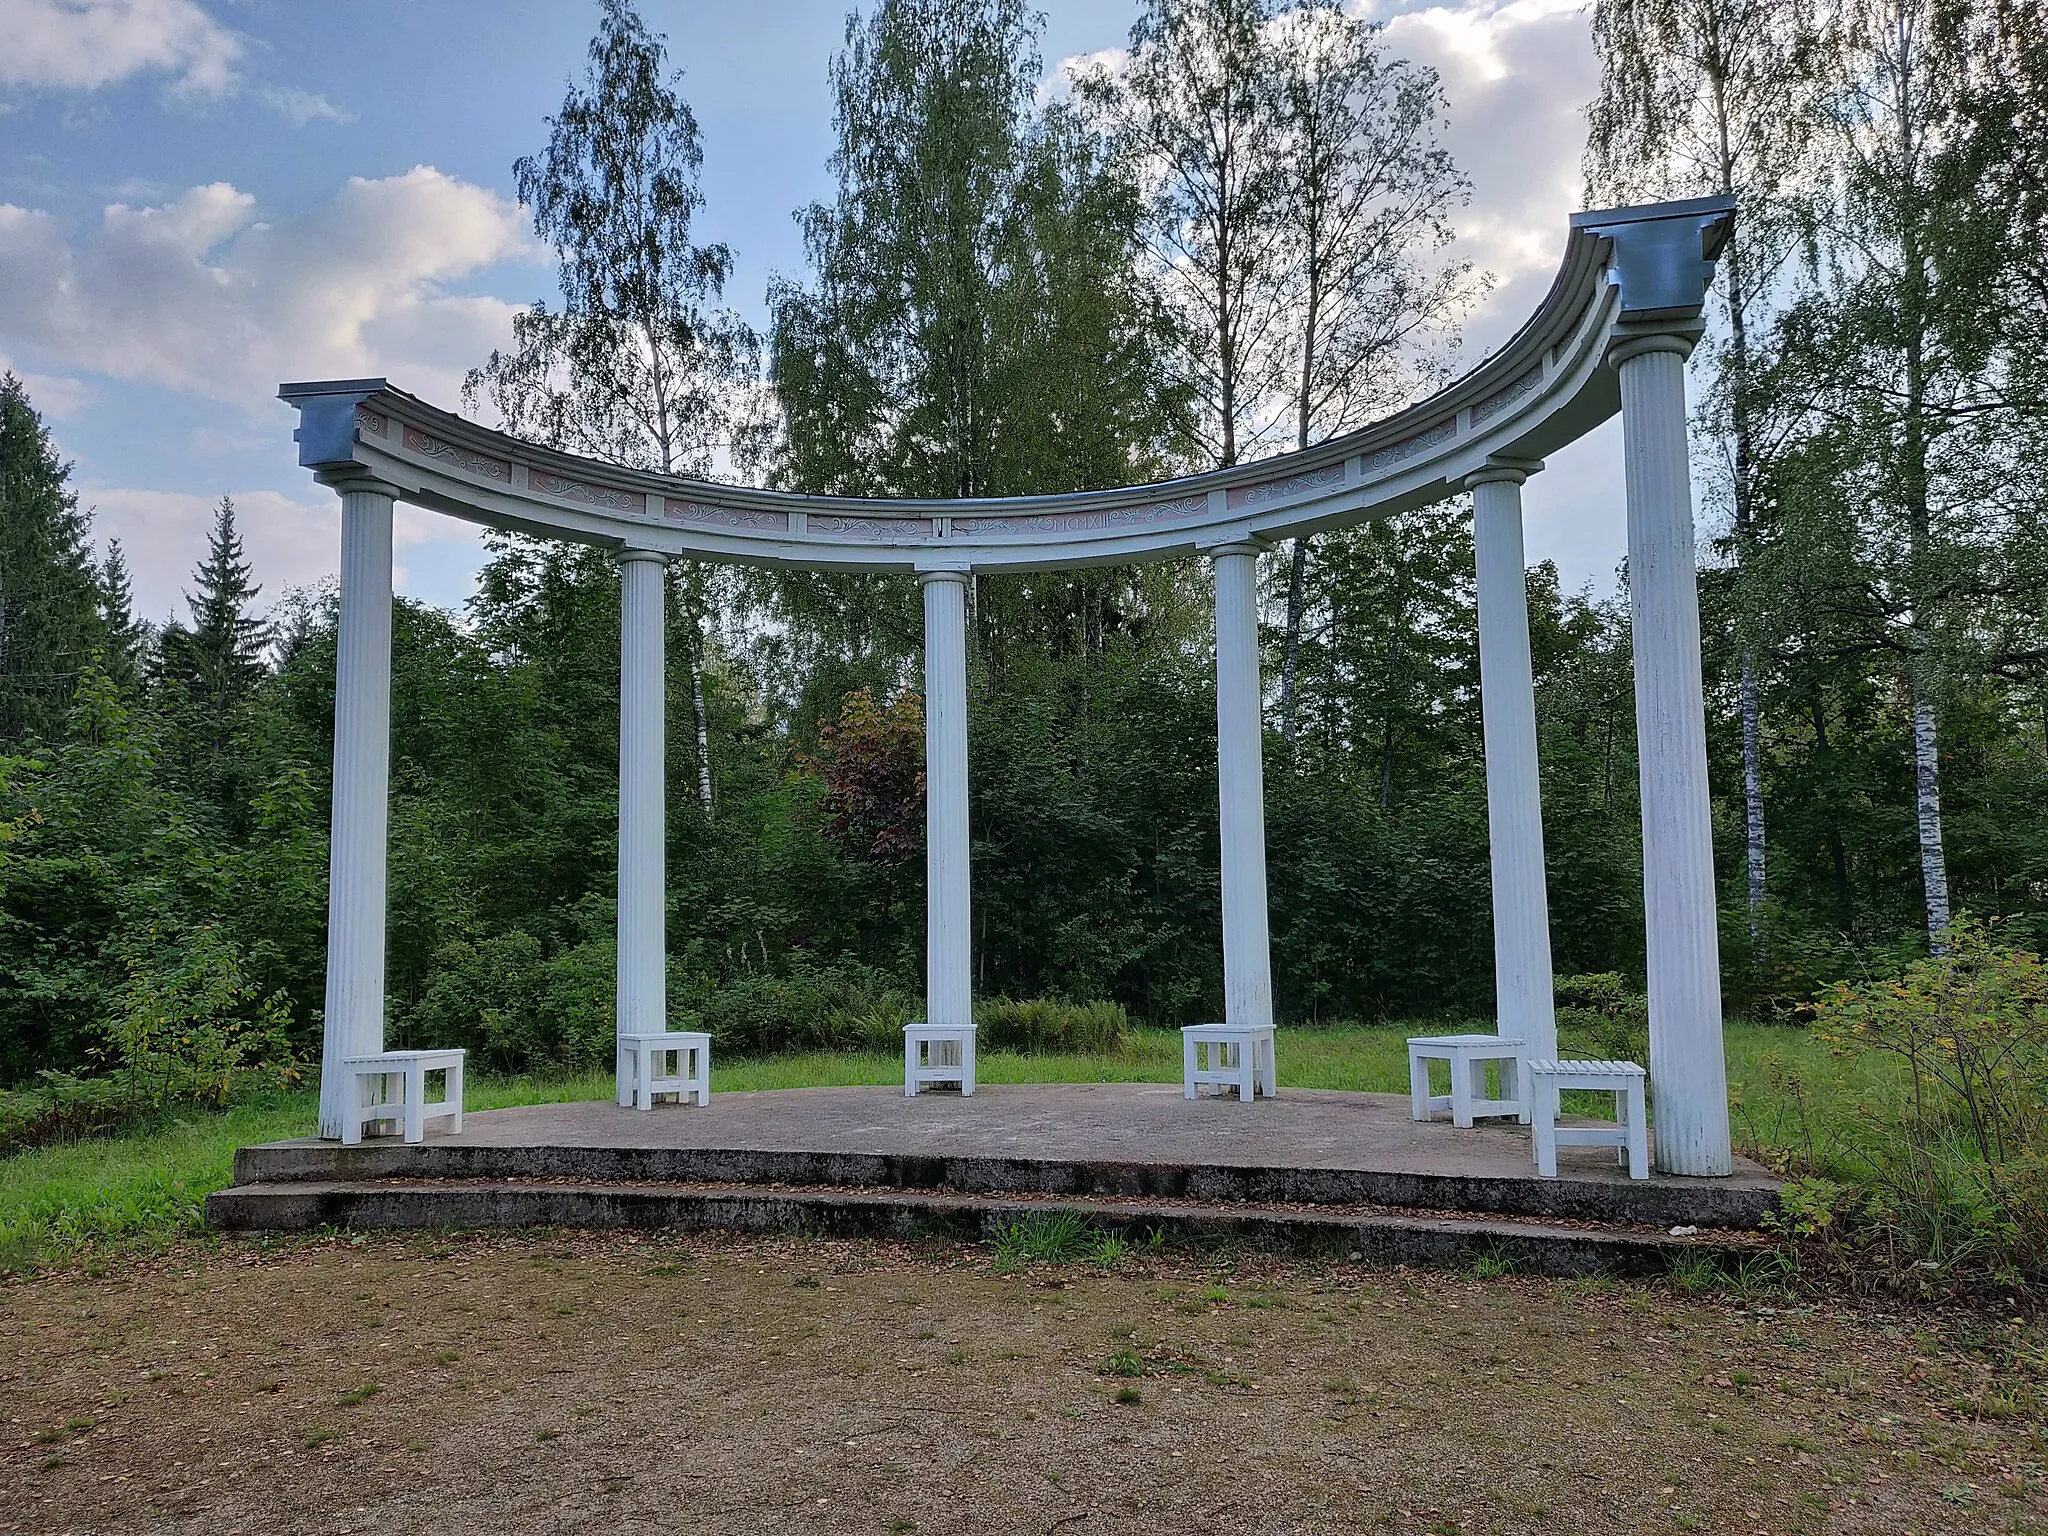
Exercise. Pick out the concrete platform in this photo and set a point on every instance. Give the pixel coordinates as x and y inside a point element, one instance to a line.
<point>1119,1141</point>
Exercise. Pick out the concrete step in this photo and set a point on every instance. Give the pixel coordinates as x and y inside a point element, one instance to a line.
<point>1594,1192</point>
<point>1373,1234</point>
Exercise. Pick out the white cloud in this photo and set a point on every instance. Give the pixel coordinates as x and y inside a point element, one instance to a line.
<point>202,295</point>
<point>289,543</point>
<point>86,44</point>
<point>1479,33</point>
<point>1518,74</point>
<point>303,107</point>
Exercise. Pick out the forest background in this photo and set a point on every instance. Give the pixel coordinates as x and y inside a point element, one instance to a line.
<point>1231,243</point>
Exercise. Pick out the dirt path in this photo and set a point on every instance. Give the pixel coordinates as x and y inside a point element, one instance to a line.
<point>602,1383</point>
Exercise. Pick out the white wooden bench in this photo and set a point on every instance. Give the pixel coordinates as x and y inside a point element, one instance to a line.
<point>1630,1132</point>
<point>938,1053</point>
<point>1467,1056</point>
<point>391,1087</point>
<point>645,1075</point>
<point>1239,1056</point>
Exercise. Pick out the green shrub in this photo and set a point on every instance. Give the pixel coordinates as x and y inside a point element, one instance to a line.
<point>1600,1018</point>
<point>1950,1140</point>
<point>1048,1024</point>
<point>190,1023</point>
<point>516,1009</point>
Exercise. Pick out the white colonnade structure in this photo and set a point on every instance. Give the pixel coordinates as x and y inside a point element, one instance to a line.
<point>1610,338</point>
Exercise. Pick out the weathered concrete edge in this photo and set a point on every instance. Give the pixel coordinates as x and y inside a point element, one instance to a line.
<point>1661,1203</point>
<point>1525,1247</point>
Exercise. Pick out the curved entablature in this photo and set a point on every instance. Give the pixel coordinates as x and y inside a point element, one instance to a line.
<point>1626,272</point>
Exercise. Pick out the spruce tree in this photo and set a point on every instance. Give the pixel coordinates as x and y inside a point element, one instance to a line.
<point>50,618</point>
<point>127,636</point>
<point>220,656</point>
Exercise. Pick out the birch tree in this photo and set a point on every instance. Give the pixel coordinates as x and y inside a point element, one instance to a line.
<point>638,367</point>
<point>1880,358</point>
<point>1197,104</point>
<point>885,364</point>
<point>1717,96</point>
<point>975,323</point>
<point>1367,191</point>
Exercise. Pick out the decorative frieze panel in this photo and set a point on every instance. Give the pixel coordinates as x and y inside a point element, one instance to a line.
<point>893,530</point>
<point>1408,448</point>
<point>373,422</point>
<point>419,442</point>
<point>1508,395</point>
<point>703,515</point>
<point>1285,490</point>
<point>608,497</point>
<point>1082,522</point>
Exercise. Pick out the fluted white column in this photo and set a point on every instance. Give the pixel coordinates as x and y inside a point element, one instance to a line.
<point>643,831</point>
<point>362,791</point>
<point>1686,1062</point>
<point>1514,788</point>
<point>1241,788</point>
<point>949,942</point>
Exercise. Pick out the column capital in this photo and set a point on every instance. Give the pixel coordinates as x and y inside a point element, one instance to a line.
<point>961,577</point>
<point>1253,547</point>
<point>1512,471</point>
<point>349,478</point>
<point>633,556</point>
<point>1661,255</point>
<point>1631,341</point>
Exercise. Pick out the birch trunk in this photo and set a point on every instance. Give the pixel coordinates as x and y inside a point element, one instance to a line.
<point>703,725</point>
<point>1753,797</point>
<point>1290,648</point>
<point>1927,804</point>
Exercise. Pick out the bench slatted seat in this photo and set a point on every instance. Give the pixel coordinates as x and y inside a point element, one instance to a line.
<point>1630,1132</point>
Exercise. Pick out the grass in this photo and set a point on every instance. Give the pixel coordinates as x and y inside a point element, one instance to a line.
<point>146,1185</point>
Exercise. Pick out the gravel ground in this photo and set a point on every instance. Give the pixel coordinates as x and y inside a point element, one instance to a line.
<point>612,1381</point>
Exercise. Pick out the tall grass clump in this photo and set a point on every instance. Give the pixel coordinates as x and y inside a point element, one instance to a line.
<point>1041,1025</point>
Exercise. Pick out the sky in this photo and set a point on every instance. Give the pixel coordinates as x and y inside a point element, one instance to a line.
<point>201,199</point>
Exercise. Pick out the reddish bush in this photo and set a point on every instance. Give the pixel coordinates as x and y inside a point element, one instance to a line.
<point>872,762</point>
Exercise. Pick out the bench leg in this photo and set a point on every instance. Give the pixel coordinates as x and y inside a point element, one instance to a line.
<point>1637,1130</point>
<point>1513,1088</point>
<point>454,1091</point>
<point>1247,1070</point>
<point>1270,1077</point>
<point>1188,1057</point>
<point>415,1104</point>
<point>1461,1093</point>
<point>1418,1087</point>
<point>352,1112</point>
<point>910,1050</point>
<point>967,1067</point>
<point>702,1076</point>
<point>1543,1131</point>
